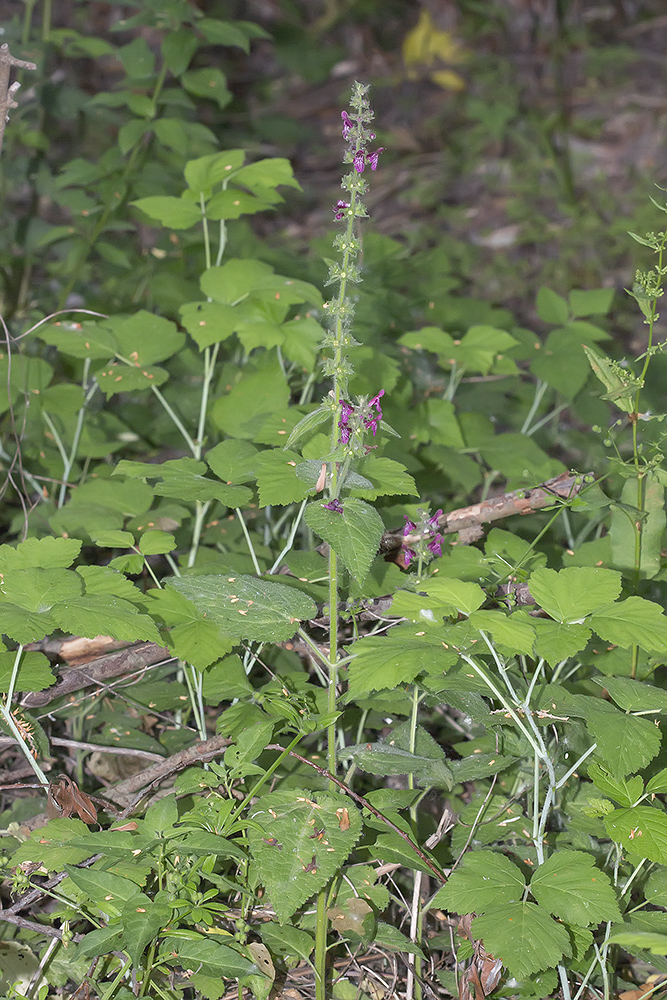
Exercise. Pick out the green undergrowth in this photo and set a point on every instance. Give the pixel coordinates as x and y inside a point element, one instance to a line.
<point>361,731</point>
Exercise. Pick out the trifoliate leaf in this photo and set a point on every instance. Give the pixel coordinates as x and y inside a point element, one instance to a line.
<point>570,887</point>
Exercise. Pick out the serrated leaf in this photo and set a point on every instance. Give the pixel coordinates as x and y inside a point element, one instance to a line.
<point>640,940</point>
<point>641,830</point>
<point>45,553</point>
<point>209,322</point>
<point>620,391</point>
<point>387,478</point>
<point>514,631</point>
<point>193,637</point>
<point>570,887</point>
<point>630,622</point>
<point>625,791</point>
<point>155,542</point>
<point>569,595</point>
<point>184,479</point>
<point>633,696</point>
<point>146,339</point>
<point>124,378</point>
<point>624,742</point>
<point>557,641</point>
<point>385,757</point>
<point>35,673</point>
<point>103,614</point>
<point>277,481</point>
<point>523,936</point>
<point>386,662</point>
<point>80,340</point>
<point>203,173</point>
<point>248,608</point>
<point>484,879</point>
<point>308,424</point>
<point>233,461</point>
<point>354,534</point>
<point>301,839</point>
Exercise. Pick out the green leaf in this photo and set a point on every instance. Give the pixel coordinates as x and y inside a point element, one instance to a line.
<point>35,673</point>
<point>483,880</point>
<point>388,478</point>
<point>630,622</point>
<point>44,553</point>
<point>619,389</point>
<point>523,936</point>
<point>154,542</point>
<point>232,204</point>
<point>569,595</point>
<point>385,662</point>
<point>233,461</point>
<point>184,478</point>
<point>204,173</point>
<point>308,424</point>
<point>50,845</point>
<point>215,959</point>
<point>101,941</point>
<point>26,375</point>
<point>514,631</point>
<point>640,940</point>
<point>123,378</point>
<point>137,58</point>
<point>39,589</point>
<point>571,888</point>
<point>103,614</point>
<point>106,891</point>
<point>551,308</point>
<point>298,840</point>
<point>193,637</point>
<point>143,919</point>
<point>652,520</point>
<point>80,340</point>
<point>269,173</point>
<point>277,481</point>
<point>624,742</point>
<point>354,534</point>
<point>392,755</point>
<point>145,339</point>
<point>634,696</point>
<point>208,82</point>
<point>625,791</point>
<point>178,48</point>
<point>641,830</point>
<point>557,641</point>
<point>591,302</point>
<point>248,608</point>
<point>174,213</point>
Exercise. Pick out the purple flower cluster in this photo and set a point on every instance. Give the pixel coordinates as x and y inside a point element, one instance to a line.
<point>427,529</point>
<point>369,416</point>
<point>335,505</point>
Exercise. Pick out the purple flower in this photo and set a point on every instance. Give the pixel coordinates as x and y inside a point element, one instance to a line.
<point>334,505</point>
<point>434,520</point>
<point>359,161</point>
<point>372,420</point>
<point>346,411</point>
<point>410,526</point>
<point>339,209</point>
<point>372,158</point>
<point>435,545</point>
<point>408,556</point>
<point>347,123</point>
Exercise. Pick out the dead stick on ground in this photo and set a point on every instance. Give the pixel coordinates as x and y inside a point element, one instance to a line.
<point>7,92</point>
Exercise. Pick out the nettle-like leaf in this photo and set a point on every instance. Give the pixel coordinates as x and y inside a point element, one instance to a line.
<point>387,478</point>
<point>193,637</point>
<point>571,594</point>
<point>523,936</point>
<point>248,608</point>
<point>354,534</point>
<point>386,662</point>
<point>142,920</point>
<point>106,891</point>
<point>300,840</point>
<point>641,830</point>
<point>634,696</point>
<point>184,479</point>
<point>483,880</point>
<point>624,742</point>
<point>571,888</point>
<point>277,481</point>
<point>632,622</point>
<point>233,461</point>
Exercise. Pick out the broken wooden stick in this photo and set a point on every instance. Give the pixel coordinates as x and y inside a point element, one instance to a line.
<point>8,92</point>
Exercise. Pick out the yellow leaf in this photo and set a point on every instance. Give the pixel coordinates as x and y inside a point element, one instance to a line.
<point>448,79</point>
<point>426,43</point>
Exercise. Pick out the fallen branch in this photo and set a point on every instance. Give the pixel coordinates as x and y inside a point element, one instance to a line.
<point>468,520</point>
<point>7,93</point>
